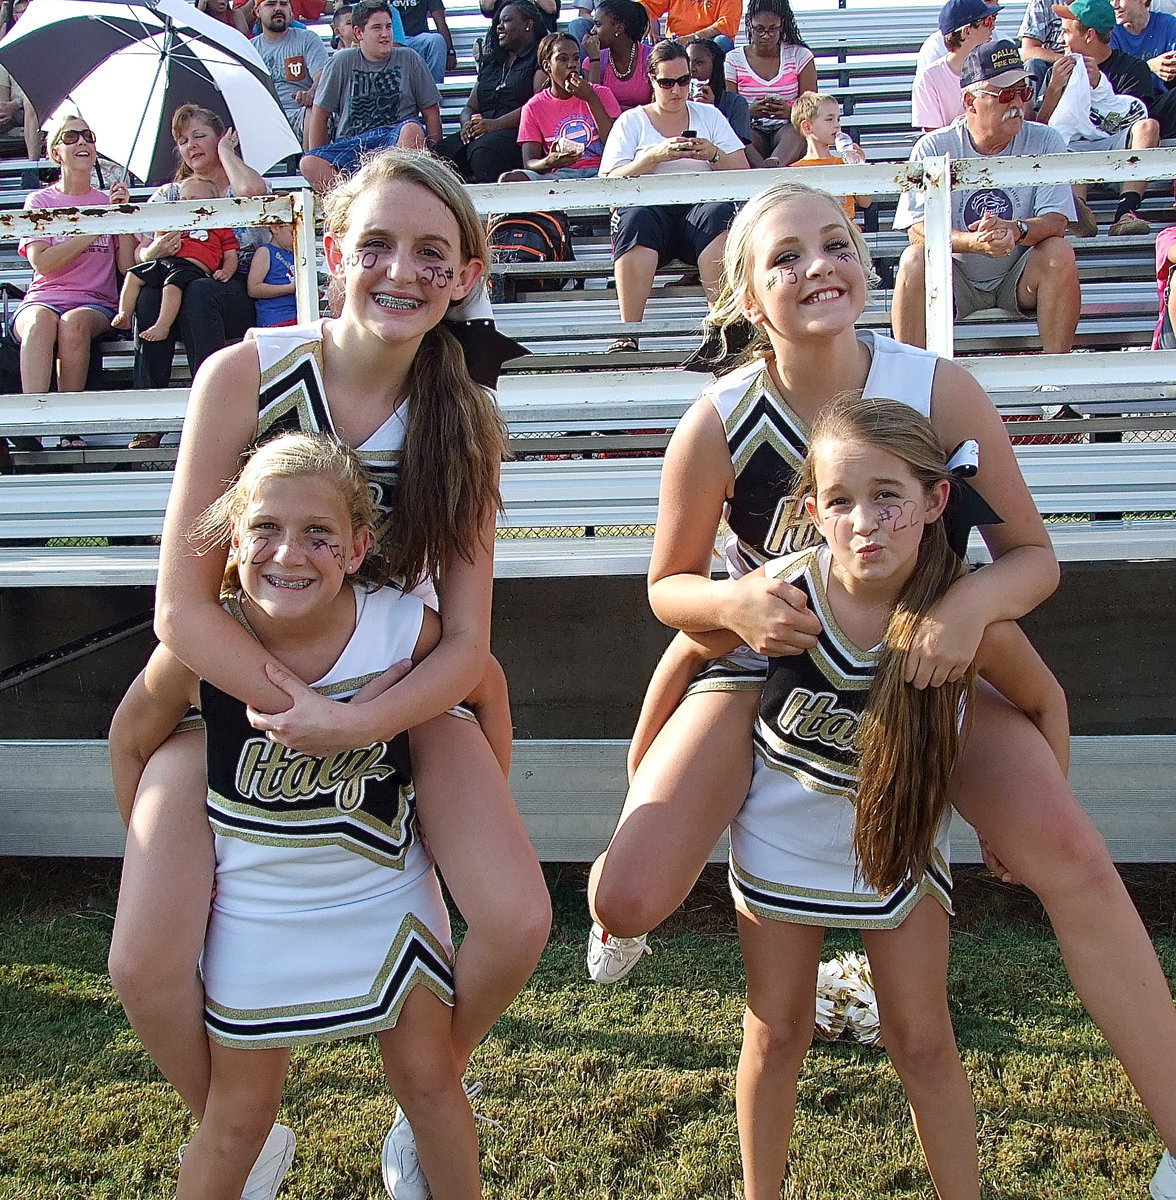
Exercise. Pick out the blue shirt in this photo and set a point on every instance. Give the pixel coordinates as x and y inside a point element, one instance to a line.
<point>1158,37</point>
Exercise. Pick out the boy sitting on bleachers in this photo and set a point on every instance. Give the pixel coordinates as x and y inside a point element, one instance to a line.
<point>817,118</point>
<point>202,252</point>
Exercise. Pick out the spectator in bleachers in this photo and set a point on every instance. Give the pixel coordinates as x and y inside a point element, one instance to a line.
<point>15,110</point>
<point>380,94</point>
<point>342,31</point>
<point>74,291</point>
<point>295,58</point>
<point>769,73</point>
<point>1009,249</point>
<point>936,98</point>
<point>212,312</point>
<point>1164,337</point>
<point>306,12</point>
<point>618,27</point>
<point>1147,35</point>
<point>1041,41</point>
<point>707,65</point>
<point>548,11</point>
<point>223,10</point>
<point>1086,33</point>
<point>435,48</point>
<point>714,19</point>
<point>202,253</point>
<point>271,278</point>
<point>508,76</point>
<point>817,118</point>
<point>935,47</point>
<point>650,140</point>
<point>563,128</point>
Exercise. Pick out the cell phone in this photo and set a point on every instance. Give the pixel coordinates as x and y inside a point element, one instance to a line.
<point>689,133</point>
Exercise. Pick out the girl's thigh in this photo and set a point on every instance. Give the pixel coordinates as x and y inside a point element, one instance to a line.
<point>471,822</point>
<point>909,966</point>
<point>687,789</point>
<point>168,866</point>
<point>417,1051</point>
<point>1009,787</point>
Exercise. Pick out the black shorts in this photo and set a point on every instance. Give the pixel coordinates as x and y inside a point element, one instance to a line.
<point>675,231</point>
<point>179,272</point>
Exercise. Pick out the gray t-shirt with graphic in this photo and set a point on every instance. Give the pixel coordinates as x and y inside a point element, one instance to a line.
<point>369,95</point>
<point>292,60</point>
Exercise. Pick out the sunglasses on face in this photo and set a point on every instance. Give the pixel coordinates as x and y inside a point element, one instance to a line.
<point>69,136</point>
<point>678,81</point>
<point>1007,95</point>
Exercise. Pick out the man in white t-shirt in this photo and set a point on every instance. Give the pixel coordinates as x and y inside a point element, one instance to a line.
<point>1009,249</point>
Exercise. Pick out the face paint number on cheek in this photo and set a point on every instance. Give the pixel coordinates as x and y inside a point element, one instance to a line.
<point>439,277</point>
<point>897,516</point>
<point>336,550</point>
<point>254,548</point>
<point>789,275</point>
<point>365,259</point>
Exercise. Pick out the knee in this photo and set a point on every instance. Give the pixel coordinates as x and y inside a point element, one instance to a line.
<point>411,137</point>
<point>1145,133</point>
<point>911,268</point>
<point>426,1092</point>
<point>1056,254</point>
<point>136,979</point>
<point>922,1052</point>
<point>776,1042</point>
<point>73,336</point>
<point>624,907</point>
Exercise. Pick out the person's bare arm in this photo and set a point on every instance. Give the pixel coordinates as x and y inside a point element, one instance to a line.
<point>1008,661</point>
<point>48,258</point>
<point>1031,47</point>
<point>228,267</point>
<point>432,119</point>
<point>316,127</point>
<point>155,702</point>
<point>243,179</point>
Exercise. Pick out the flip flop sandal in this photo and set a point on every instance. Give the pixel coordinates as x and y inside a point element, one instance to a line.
<point>622,345</point>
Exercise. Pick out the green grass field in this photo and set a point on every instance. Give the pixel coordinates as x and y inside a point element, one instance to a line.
<point>611,1093</point>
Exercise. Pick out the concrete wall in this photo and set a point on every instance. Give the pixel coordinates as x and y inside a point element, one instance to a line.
<point>578,652</point>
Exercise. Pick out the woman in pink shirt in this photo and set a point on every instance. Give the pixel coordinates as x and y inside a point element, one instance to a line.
<point>770,72</point>
<point>615,55</point>
<point>74,292</point>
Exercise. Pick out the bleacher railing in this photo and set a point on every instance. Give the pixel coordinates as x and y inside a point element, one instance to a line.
<point>934,177</point>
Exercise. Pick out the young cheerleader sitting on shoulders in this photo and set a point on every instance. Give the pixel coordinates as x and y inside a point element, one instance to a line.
<point>318,858</point>
<point>846,822</point>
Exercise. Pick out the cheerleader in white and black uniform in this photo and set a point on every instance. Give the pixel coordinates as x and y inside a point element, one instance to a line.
<point>846,821</point>
<point>328,918</point>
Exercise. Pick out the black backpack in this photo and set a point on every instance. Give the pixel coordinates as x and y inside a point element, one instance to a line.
<point>529,238</point>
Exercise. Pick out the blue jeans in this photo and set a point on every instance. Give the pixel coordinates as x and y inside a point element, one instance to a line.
<point>431,47</point>
<point>344,154</point>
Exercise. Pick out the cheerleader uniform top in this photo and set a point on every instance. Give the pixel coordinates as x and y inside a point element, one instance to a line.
<point>792,855</point>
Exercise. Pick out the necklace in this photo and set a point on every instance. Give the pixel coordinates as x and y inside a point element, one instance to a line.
<point>628,71</point>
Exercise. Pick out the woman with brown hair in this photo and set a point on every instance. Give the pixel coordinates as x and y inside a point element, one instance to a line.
<point>390,378</point>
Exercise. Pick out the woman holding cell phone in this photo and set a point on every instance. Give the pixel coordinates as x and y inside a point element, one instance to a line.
<point>672,134</point>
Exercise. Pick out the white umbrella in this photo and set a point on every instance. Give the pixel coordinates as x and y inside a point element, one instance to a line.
<point>125,66</point>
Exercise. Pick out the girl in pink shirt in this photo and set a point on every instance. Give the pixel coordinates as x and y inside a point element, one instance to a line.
<point>615,55</point>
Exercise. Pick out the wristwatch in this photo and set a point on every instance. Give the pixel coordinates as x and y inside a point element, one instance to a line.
<point>1022,231</point>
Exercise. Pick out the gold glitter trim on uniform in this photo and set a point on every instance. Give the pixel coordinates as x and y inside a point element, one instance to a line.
<point>780,429</point>
<point>411,928</point>
<point>853,652</point>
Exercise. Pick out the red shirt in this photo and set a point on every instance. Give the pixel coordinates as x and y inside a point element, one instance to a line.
<point>207,246</point>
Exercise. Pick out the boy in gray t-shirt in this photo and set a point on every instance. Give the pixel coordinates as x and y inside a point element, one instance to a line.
<point>381,95</point>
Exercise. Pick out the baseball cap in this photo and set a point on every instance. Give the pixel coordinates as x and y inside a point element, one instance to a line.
<point>959,14</point>
<point>998,63</point>
<point>1094,14</point>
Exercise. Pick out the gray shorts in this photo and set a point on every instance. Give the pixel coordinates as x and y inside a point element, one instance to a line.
<point>971,297</point>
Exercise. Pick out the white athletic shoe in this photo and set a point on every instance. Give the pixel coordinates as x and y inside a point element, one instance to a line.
<point>399,1163</point>
<point>610,958</point>
<point>1163,1184</point>
<point>271,1166</point>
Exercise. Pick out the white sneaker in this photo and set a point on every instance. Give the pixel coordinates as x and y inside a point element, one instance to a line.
<point>271,1166</point>
<point>1163,1184</point>
<point>612,958</point>
<point>399,1162</point>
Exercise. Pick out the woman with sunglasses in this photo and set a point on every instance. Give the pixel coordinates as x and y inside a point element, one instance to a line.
<point>937,97</point>
<point>74,292</point>
<point>670,135</point>
<point>770,72</point>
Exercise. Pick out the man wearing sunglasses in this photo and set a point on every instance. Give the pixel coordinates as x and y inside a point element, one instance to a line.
<point>1009,249</point>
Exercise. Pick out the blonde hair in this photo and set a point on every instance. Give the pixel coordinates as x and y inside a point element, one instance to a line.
<point>456,438</point>
<point>806,106</point>
<point>908,738</point>
<point>290,456</point>
<point>728,309</point>
<point>53,135</point>
<point>196,187</point>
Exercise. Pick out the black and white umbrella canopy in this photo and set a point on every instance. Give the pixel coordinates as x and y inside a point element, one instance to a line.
<point>126,65</point>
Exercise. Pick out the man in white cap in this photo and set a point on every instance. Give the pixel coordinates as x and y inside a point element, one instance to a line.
<point>1009,249</point>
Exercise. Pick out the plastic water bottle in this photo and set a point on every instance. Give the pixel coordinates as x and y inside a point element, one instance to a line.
<point>844,146</point>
